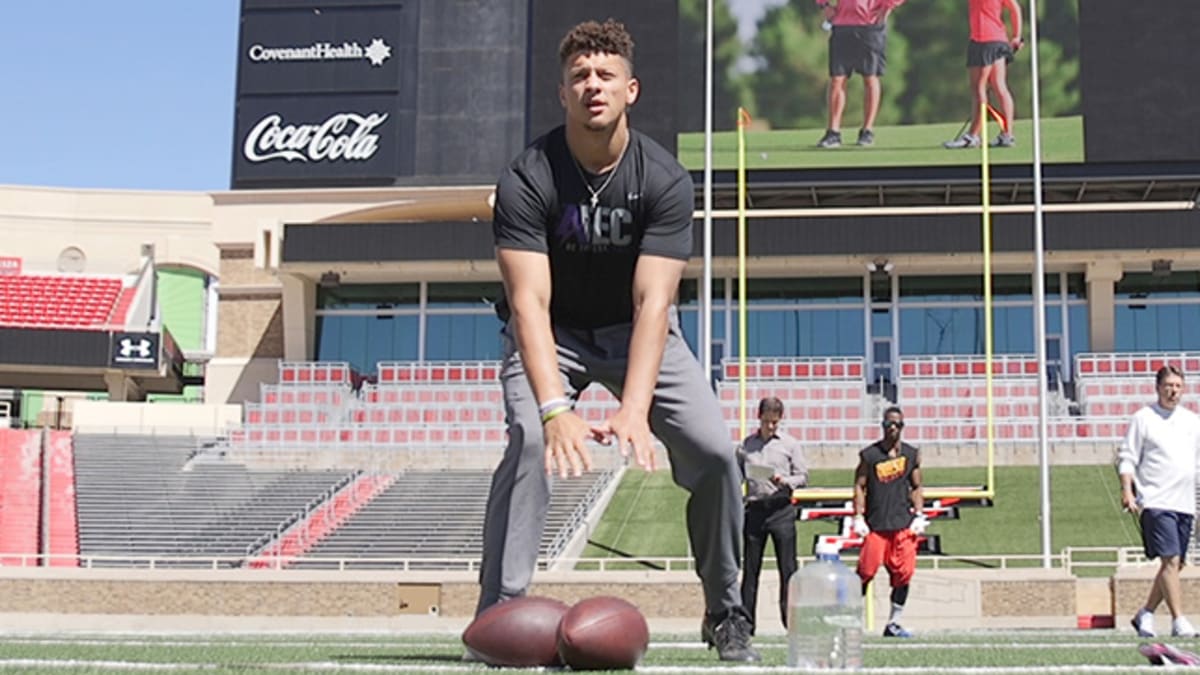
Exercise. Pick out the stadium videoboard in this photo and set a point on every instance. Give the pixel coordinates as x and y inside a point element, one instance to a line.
<point>1112,84</point>
<point>391,92</point>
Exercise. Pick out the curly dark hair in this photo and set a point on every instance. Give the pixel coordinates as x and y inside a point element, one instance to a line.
<point>592,37</point>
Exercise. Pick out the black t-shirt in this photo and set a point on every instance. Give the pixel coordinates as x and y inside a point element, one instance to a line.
<point>543,205</point>
<point>889,490</point>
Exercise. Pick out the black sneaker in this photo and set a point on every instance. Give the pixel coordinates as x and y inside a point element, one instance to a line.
<point>831,139</point>
<point>895,630</point>
<point>866,137</point>
<point>731,636</point>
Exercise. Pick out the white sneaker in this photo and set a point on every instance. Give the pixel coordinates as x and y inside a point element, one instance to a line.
<point>964,141</point>
<point>1143,623</point>
<point>1181,627</point>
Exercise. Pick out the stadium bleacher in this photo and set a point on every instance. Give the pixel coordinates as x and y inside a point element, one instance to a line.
<point>945,398</point>
<point>158,496</point>
<point>824,398</point>
<point>1118,384</point>
<point>438,516</point>
<point>62,301</point>
<point>140,496</point>
<point>430,405</point>
<point>1112,386</point>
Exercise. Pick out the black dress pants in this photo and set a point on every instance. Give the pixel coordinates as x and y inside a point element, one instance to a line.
<point>775,518</point>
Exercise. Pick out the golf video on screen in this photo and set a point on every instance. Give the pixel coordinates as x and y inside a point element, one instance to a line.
<point>876,83</point>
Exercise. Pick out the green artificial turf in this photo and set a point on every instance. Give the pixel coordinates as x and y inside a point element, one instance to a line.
<point>902,145</point>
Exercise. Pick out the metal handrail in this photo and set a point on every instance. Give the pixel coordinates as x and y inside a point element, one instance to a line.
<point>578,516</point>
<point>1071,558</point>
<point>300,515</point>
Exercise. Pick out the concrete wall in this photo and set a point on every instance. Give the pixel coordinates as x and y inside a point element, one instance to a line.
<point>957,599</point>
<point>144,418</point>
<point>108,226</point>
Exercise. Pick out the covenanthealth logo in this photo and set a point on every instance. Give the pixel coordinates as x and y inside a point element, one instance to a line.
<point>377,52</point>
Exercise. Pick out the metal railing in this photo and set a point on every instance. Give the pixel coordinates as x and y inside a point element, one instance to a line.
<point>301,516</point>
<point>578,516</point>
<point>1073,559</point>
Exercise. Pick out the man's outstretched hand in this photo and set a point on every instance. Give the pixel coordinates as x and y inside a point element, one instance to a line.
<point>566,444</point>
<point>631,432</point>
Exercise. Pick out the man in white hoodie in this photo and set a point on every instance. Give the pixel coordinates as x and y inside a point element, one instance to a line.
<point>1157,465</point>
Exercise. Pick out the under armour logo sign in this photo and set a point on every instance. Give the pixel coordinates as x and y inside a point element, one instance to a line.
<point>131,348</point>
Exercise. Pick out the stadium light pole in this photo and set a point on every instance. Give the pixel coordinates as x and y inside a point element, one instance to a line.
<point>706,276</point>
<point>1039,286</point>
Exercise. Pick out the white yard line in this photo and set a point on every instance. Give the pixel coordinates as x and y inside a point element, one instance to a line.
<point>8,664</point>
<point>452,644</point>
<point>333,666</point>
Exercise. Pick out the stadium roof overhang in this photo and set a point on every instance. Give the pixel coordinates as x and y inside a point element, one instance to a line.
<point>816,213</point>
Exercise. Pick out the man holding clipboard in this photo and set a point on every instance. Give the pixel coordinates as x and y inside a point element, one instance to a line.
<point>774,466</point>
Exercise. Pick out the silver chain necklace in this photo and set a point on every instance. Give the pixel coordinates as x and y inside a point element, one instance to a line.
<point>595,192</point>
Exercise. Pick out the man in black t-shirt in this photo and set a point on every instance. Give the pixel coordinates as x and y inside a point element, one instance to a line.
<point>889,513</point>
<point>593,230</point>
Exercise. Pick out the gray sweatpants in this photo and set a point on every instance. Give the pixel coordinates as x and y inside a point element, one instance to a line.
<point>686,417</point>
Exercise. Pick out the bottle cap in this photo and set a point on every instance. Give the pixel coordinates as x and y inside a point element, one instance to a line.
<point>827,550</point>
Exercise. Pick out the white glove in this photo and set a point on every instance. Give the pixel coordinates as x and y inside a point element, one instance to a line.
<point>918,524</point>
<point>860,526</point>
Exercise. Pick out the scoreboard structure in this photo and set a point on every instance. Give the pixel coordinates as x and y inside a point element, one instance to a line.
<point>340,93</point>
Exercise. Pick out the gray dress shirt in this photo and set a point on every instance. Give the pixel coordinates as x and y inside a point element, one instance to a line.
<point>780,453</point>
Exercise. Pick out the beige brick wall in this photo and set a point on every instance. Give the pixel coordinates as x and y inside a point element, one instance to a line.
<point>1050,597</point>
<point>250,326</point>
<point>229,598</point>
<point>660,599</point>
<point>250,314</point>
<point>1130,588</point>
<point>1014,597</point>
<point>237,269</point>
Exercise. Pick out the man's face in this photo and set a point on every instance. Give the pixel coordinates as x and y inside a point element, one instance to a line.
<point>768,424</point>
<point>597,89</point>
<point>1169,391</point>
<point>893,424</point>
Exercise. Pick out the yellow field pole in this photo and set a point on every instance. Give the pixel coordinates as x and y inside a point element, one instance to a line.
<point>987,297</point>
<point>742,123</point>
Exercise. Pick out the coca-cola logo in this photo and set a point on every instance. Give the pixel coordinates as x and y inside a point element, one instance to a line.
<point>343,136</point>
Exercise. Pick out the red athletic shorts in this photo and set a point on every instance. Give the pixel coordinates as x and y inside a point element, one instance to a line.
<point>896,549</point>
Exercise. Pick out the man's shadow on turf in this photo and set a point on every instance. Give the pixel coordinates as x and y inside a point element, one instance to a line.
<point>624,554</point>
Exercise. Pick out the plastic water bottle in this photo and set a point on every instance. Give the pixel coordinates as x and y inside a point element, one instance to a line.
<point>825,608</point>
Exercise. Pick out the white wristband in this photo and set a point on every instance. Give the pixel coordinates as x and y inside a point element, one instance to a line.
<point>553,403</point>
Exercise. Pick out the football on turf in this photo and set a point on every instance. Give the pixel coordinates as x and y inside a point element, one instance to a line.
<point>602,633</point>
<point>517,633</point>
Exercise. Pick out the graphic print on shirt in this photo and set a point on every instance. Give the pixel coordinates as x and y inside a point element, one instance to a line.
<point>891,469</point>
<point>584,229</point>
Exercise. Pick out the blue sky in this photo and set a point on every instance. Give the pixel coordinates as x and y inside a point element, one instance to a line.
<point>129,94</point>
<point>118,94</point>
